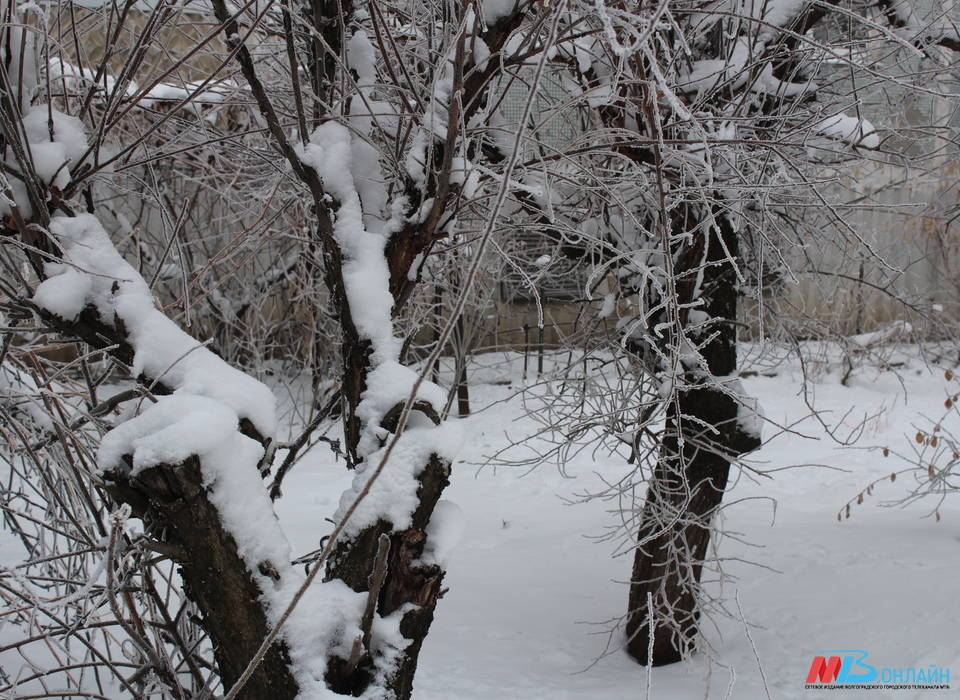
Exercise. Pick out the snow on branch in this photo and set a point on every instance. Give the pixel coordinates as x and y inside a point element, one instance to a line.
<point>923,24</point>
<point>366,278</point>
<point>20,395</point>
<point>365,273</point>
<point>852,130</point>
<point>54,142</point>
<point>182,426</point>
<point>496,10</point>
<point>394,496</point>
<point>92,274</point>
<point>200,420</point>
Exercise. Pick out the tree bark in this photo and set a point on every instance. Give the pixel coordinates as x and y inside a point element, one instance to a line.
<point>408,580</point>
<point>173,504</point>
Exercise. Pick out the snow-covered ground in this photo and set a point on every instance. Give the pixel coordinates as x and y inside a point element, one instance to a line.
<point>532,592</point>
<point>534,587</point>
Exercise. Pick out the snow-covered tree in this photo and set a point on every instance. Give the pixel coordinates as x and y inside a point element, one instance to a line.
<point>710,147</point>
<point>369,114</point>
<point>668,146</point>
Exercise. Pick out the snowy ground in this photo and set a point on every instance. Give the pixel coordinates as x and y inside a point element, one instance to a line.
<point>531,590</point>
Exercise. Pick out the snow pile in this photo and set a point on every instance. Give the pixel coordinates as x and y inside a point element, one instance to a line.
<point>778,13</point>
<point>436,115</point>
<point>390,384</point>
<point>68,132</point>
<point>750,417</point>
<point>703,76</point>
<point>925,24</point>
<point>393,496</point>
<point>466,175</point>
<point>364,109</point>
<point>73,78</point>
<point>93,274</point>
<point>898,331</point>
<point>444,532</point>
<point>608,306</point>
<point>176,428</point>
<point>732,73</point>
<point>496,10</point>
<point>762,17</point>
<point>197,93</point>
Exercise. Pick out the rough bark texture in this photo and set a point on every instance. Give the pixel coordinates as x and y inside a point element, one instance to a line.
<point>173,504</point>
<point>688,483</point>
<point>407,580</point>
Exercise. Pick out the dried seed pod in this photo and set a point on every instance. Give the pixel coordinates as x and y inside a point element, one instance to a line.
<point>948,375</point>
<point>839,518</point>
<point>893,476</point>
<point>934,441</point>
<point>886,451</point>
<point>948,403</point>
<point>848,510</point>
<point>937,514</point>
<point>859,498</point>
<point>919,438</point>
<point>930,471</point>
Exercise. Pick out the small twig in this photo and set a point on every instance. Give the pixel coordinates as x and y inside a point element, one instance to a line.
<point>650,624</point>
<point>746,628</point>
<point>294,450</point>
<point>361,647</point>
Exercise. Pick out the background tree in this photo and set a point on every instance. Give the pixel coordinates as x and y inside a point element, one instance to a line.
<point>714,148</point>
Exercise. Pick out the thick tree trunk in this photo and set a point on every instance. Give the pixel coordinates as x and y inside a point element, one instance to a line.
<point>407,581</point>
<point>182,522</point>
<point>702,438</point>
<point>173,504</point>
